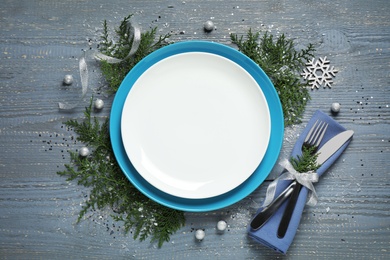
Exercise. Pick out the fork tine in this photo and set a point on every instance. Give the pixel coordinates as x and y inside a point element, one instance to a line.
<point>320,135</point>
<point>316,133</point>
<point>311,132</point>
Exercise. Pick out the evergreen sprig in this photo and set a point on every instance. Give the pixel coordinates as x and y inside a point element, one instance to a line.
<point>120,45</point>
<point>307,161</point>
<point>282,63</point>
<point>110,187</point>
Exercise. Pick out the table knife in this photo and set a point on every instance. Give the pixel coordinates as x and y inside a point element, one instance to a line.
<point>324,153</point>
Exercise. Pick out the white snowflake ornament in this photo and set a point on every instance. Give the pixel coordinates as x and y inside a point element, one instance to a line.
<point>319,73</point>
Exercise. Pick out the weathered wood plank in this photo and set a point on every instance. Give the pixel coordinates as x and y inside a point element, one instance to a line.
<point>41,41</point>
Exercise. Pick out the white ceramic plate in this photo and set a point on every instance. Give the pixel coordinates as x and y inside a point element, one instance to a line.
<point>195,125</point>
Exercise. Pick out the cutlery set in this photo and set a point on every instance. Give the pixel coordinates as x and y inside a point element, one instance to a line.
<point>313,139</point>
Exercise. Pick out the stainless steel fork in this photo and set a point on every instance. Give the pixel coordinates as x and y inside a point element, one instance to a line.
<point>313,139</point>
<point>315,135</point>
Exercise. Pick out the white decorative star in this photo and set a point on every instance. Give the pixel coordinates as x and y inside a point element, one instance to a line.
<point>319,73</point>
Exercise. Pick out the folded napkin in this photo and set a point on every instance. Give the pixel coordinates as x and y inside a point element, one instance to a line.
<point>267,234</point>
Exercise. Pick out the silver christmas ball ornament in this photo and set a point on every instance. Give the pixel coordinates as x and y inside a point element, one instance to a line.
<point>68,79</point>
<point>221,225</point>
<point>335,107</point>
<point>84,151</point>
<point>200,234</point>
<point>208,26</point>
<point>99,104</point>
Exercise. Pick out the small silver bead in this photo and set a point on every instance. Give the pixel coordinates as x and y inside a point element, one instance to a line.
<point>84,151</point>
<point>99,104</point>
<point>208,26</point>
<point>221,225</point>
<point>335,107</point>
<point>68,79</point>
<point>200,234</point>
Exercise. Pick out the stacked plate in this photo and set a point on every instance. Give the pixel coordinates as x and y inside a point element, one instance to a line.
<point>196,126</point>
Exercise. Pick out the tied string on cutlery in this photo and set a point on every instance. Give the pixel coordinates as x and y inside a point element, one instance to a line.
<point>134,34</point>
<point>304,178</point>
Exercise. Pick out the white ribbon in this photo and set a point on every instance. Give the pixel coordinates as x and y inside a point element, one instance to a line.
<point>135,33</point>
<point>84,84</point>
<point>305,179</point>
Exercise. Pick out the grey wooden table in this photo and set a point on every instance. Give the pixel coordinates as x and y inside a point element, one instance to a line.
<point>41,41</point>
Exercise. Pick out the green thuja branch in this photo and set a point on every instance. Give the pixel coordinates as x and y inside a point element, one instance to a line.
<point>120,47</point>
<point>282,63</point>
<point>110,187</point>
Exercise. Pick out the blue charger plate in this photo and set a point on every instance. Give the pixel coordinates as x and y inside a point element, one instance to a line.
<point>223,200</point>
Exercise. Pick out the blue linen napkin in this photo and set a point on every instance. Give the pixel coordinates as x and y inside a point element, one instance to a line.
<point>267,234</point>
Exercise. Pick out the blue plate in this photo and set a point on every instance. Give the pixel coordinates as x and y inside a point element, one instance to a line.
<point>226,199</point>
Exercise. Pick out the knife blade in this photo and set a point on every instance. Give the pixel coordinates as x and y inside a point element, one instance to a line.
<point>329,148</point>
<point>325,152</point>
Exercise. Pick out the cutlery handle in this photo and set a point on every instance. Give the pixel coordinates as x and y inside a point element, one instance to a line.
<point>285,221</point>
<point>260,219</point>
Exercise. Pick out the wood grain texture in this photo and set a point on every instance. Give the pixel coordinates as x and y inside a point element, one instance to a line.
<point>41,41</point>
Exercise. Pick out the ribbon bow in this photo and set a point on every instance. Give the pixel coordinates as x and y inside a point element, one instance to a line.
<point>305,179</point>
